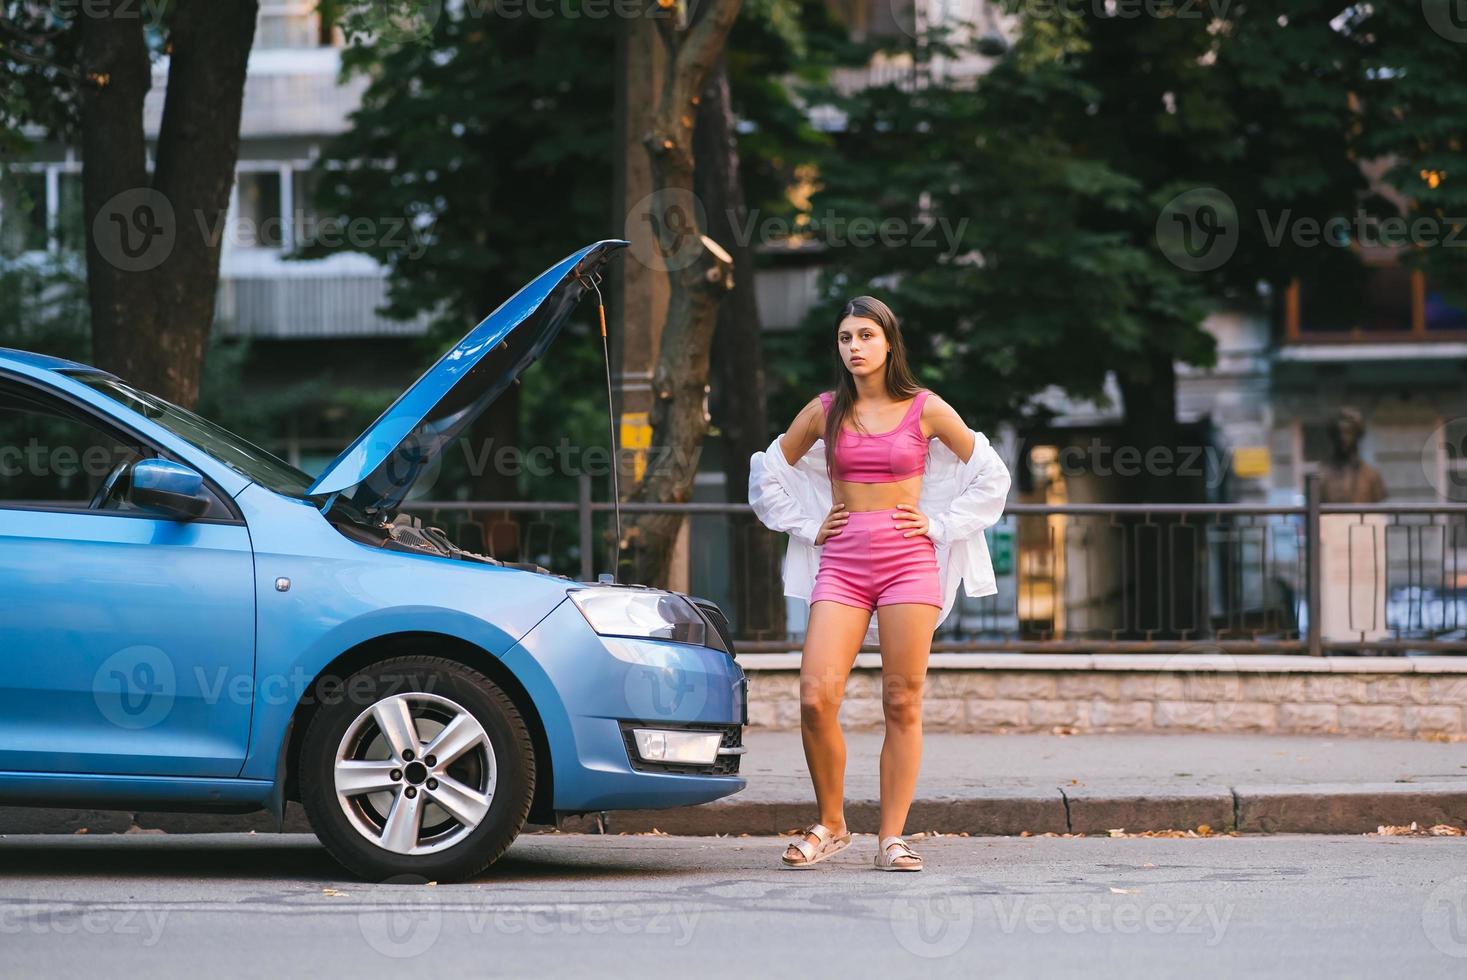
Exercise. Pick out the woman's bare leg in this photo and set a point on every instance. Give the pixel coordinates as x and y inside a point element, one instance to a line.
<point>905,630</point>
<point>832,640</point>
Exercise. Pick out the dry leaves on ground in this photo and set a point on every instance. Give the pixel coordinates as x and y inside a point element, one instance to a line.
<point>1203,830</point>
<point>1416,830</point>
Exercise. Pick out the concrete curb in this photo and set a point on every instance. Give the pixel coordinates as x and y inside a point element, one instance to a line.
<point>1334,808</point>
<point>1097,811</point>
<point>1353,808</point>
<point>1346,808</point>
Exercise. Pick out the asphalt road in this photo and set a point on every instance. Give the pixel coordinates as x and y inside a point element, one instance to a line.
<point>654,906</point>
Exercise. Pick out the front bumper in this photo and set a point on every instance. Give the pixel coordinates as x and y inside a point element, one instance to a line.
<point>591,690</point>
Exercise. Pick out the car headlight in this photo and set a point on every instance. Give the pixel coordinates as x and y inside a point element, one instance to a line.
<point>634,612</point>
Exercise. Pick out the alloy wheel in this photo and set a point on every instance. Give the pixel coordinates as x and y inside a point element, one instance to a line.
<point>415,773</point>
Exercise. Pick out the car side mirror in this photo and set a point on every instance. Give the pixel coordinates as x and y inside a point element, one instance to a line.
<point>168,489</point>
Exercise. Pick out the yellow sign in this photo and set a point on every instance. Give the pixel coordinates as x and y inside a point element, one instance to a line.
<point>636,435</point>
<point>1251,462</point>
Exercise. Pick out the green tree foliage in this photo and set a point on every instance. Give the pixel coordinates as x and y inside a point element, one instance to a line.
<point>490,132</point>
<point>1056,173</point>
<point>1415,116</point>
<point>775,50</point>
<point>1006,224</point>
<point>45,306</point>
<point>38,48</point>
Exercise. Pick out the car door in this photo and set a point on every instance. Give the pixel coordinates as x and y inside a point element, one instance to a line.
<point>126,639</point>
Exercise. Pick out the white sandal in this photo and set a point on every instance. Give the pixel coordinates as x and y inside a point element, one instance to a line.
<point>886,861</point>
<point>815,853</point>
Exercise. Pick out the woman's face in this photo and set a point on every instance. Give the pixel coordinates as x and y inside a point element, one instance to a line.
<point>862,345</point>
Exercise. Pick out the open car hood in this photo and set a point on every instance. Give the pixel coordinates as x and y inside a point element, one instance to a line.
<point>380,467</point>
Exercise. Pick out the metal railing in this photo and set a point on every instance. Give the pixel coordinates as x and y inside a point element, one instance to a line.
<point>1094,578</point>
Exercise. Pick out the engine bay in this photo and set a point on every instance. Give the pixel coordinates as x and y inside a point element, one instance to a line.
<point>408,533</point>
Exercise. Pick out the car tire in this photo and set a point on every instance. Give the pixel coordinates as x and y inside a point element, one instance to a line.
<point>384,808</point>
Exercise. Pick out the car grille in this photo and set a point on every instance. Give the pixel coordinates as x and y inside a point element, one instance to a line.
<point>717,620</point>
<point>728,765</point>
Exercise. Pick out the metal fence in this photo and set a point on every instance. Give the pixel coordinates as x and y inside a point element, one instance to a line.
<point>1094,578</point>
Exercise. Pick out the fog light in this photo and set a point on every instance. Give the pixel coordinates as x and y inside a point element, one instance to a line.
<point>664,745</point>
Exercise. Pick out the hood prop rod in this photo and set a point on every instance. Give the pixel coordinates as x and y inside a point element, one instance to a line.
<point>595,281</point>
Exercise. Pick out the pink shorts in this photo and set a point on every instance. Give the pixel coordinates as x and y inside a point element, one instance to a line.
<point>868,564</point>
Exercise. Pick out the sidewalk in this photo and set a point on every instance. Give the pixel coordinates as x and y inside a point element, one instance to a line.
<point>1009,784</point>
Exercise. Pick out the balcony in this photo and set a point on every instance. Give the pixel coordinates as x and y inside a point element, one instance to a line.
<point>1389,313</point>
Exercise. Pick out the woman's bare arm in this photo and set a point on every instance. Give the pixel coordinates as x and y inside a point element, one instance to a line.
<point>942,420</point>
<point>808,426</point>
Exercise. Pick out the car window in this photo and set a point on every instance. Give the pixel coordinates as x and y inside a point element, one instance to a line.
<point>56,457</point>
<point>240,455</point>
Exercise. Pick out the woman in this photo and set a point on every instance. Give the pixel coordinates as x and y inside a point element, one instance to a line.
<point>879,539</point>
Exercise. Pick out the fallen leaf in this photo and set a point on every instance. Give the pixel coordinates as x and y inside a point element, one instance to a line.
<point>1416,830</point>
<point>333,893</point>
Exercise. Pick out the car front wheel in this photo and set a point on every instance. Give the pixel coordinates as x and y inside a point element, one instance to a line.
<point>417,766</point>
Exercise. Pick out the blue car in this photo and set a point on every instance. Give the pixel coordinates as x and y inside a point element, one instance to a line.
<point>188,623</point>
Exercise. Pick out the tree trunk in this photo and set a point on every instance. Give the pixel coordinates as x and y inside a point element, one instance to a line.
<point>1149,391</point>
<point>738,396</point>
<point>1161,571</point>
<point>697,278</point>
<point>116,77</point>
<point>153,255</point>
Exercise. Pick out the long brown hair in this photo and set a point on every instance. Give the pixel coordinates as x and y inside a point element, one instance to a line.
<point>900,383</point>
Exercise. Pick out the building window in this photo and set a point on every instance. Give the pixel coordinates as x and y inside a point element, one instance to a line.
<point>303,183</point>
<point>326,17</point>
<point>23,226</point>
<point>1442,315</point>
<point>259,222</point>
<point>1386,302</point>
<point>70,218</point>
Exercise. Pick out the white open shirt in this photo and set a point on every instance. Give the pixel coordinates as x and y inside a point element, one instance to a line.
<point>959,499</point>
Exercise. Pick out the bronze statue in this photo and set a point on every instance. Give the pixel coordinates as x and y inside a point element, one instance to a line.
<point>1345,478</point>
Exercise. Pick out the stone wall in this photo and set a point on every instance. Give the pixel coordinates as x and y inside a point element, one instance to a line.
<point>1386,696</point>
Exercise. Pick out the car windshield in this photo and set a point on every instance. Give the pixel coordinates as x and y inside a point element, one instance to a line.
<point>240,455</point>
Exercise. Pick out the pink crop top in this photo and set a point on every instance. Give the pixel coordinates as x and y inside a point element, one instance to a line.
<point>883,457</point>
